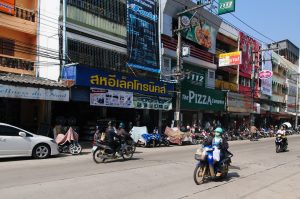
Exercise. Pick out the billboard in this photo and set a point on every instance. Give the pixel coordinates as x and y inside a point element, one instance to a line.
<point>248,47</point>
<point>226,6</point>
<point>204,35</point>
<point>266,83</point>
<point>7,6</point>
<point>142,35</point>
<point>229,59</point>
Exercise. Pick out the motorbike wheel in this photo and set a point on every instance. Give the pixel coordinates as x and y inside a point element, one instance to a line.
<point>127,154</point>
<point>98,156</point>
<point>152,144</point>
<point>75,149</point>
<point>166,143</point>
<point>199,174</point>
<point>277,148</point>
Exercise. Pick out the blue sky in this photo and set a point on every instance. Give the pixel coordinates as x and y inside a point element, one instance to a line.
<point>276,19</point>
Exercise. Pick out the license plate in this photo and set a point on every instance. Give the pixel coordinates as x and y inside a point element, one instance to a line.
<point>94,148</point>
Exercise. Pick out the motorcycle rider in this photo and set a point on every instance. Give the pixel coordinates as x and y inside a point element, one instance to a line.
<point>122,132</point>
<point>220,145</point>
<point>111,135</point>
<point>281,132</point>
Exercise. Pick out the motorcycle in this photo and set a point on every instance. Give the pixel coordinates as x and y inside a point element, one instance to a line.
<point>280,145</point>
<point>102,152</point>
<point>68,143</point>
<point>205,167</point>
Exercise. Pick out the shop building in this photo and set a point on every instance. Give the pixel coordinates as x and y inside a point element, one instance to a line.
<point>198,92</point>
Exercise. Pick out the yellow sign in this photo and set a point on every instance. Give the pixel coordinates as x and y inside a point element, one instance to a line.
<point>229,59</point>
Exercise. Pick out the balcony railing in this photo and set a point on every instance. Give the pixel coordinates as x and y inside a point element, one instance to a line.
<point>28,15</point>
<point>223,85</point>
<point>16,63</point>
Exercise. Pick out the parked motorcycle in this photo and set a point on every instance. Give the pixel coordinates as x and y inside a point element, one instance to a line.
<point>68,143</point>
<point>205,168</point>
<point>102,152</point>
<point>280,145</point>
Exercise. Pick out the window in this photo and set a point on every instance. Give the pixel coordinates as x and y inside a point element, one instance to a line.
<point>113,10</point>
<point>7,46</point>
<point>8,131</point>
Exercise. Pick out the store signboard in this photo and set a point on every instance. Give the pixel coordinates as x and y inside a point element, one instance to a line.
<point>226,6</point>
<point>199,98</point>
<point>238,103</point>
<point>23,92</point>
<point>111,98</point>
<point>142,35</point>
<point>93,77</point>
<point>229,59</point>
<point>266,74</point>
<point>204,35</point>
<point>249,48</point>
<point>7,6</point>
<point>156,103</point>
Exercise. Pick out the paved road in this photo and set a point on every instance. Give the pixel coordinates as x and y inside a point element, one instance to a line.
<point>257,172</point>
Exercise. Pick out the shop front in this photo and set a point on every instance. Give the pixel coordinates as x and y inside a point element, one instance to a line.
<point>98,95</point>
<point>197,102</point>
<point>27,102</point>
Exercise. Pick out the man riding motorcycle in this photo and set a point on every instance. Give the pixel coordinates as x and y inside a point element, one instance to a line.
<point>111,135</point>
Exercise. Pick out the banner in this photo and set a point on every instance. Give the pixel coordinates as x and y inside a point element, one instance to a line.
<point>248,46</point>
<point>142,35</point>
<point>266,84</point>
<point>197,98</point>
<point>23,92</point>
<point>229,59</point>
<point>156,103</point>
<point>204,35</point>
<point>7,6</point>
<point>94,77</point>
<point>101,97</point>
<point>226,6</point>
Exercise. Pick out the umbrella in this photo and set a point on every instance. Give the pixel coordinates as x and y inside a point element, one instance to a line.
<point>287,124</point>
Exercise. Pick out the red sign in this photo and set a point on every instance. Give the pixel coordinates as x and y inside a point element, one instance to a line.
<point>7,6</point>
<point>265,74</point>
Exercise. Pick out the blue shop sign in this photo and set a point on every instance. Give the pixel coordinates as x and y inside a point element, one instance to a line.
<point>93,77</point>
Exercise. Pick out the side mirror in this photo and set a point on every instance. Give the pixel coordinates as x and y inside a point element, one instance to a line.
<point>22,134</point>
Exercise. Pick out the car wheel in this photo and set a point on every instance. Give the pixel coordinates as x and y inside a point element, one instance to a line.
<point>41,151</point>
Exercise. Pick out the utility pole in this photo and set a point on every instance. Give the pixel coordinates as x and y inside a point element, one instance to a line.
<point>178,73</point>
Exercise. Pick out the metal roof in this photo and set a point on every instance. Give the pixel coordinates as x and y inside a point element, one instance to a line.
<point>30,80</point>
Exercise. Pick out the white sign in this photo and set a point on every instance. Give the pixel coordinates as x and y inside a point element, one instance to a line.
<point>266,84</point>
<point>33,93</point>
<point>111,98</point>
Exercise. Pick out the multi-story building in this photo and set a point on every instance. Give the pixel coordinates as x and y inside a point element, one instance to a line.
<point>25,99</point>
<point>117,72</point>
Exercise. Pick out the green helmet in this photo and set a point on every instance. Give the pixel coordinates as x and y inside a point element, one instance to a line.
<point>219,130</point>
<point>121,125</point>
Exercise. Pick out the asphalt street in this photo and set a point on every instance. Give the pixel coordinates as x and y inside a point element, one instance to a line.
<point>159,173</point>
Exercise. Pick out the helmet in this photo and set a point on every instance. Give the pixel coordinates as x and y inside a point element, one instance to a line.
<point>121,125</point>
<point>109,123</point>
<point>219,130</point>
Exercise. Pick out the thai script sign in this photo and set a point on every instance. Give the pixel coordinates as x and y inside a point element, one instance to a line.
<point>23,92</point>
<point>199,98</point>
<point>229,59</point>
<point>265,74</point>
<point>239,103</point>
<point>226,6</point>
<point>96,78</point>
<point>111,98</point>
<point>7,6</point>
<point>205,35</point>
<point>142,35</point>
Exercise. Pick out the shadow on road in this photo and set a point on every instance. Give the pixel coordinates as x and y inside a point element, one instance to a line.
<point>111,161</point>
